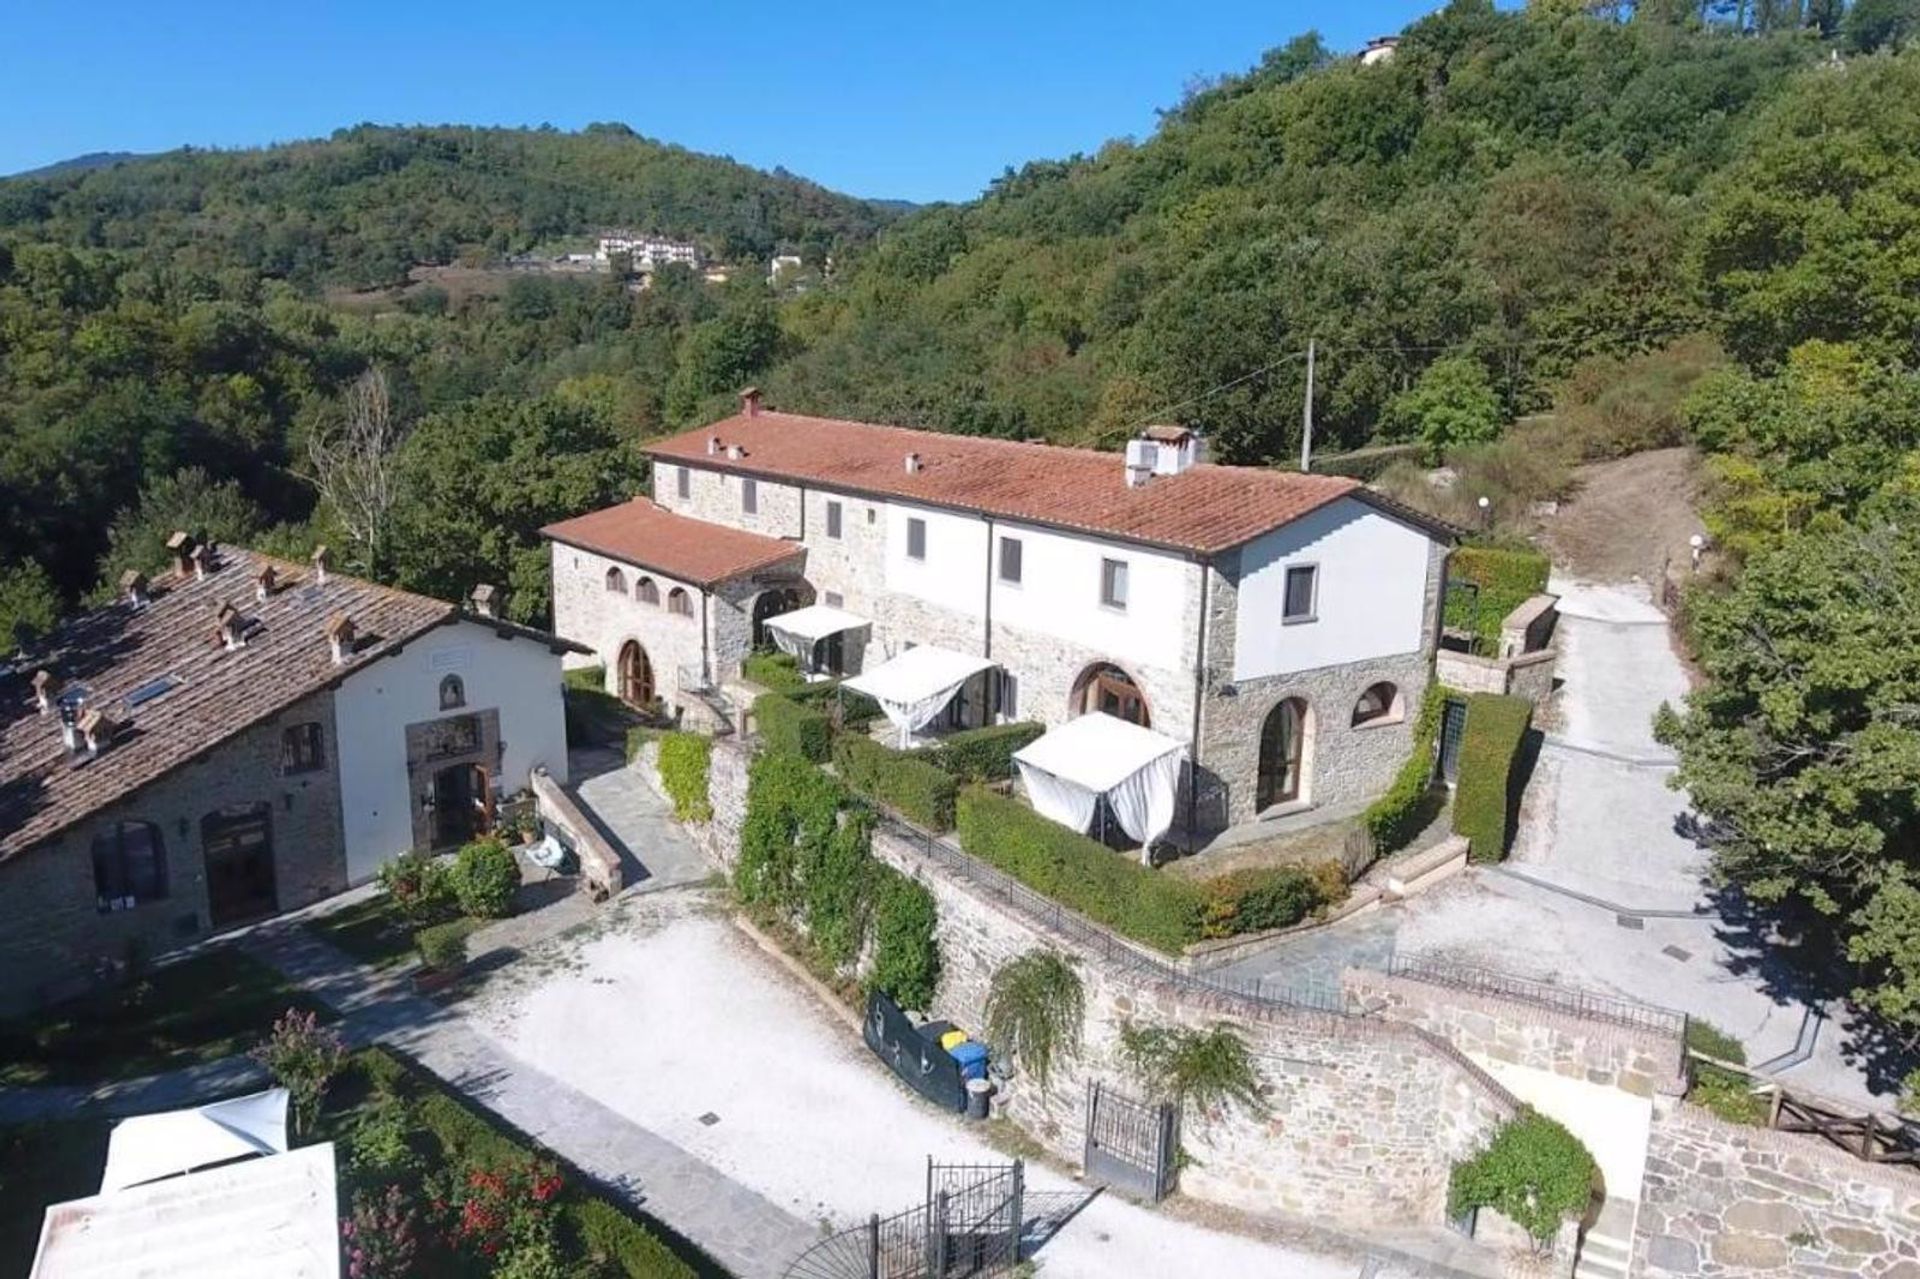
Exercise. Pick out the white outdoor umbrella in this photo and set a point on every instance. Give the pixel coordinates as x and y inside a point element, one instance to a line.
<point>149,1147</point>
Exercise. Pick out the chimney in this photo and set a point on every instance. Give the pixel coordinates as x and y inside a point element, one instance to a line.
<point>488,599</point>
<point>227,619</point>
<point>70,724</point>
<point>735,452</point>
<point>750,401</point>
<point>1142,456</point>
<point>713,445</point>
<point>913,464</point>
<point>97,729</point>
<point>322,561</point>
<point>180,546</point>
<point>133,585</point>
<point>263,582</point>
<point>202,558</point>
<point>46,690</point>
<point>340,632</point>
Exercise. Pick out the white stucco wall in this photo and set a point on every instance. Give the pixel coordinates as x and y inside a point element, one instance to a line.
<point>1059,596</point>
<point>1372,592</point>
<point>520,678</point>
<point>954,573</point>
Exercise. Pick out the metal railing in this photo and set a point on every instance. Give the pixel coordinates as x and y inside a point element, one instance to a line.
<point>1585,1004</point>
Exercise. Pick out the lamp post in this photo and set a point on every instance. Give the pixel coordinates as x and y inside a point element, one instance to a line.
<point>1697,543</point>
<point>1486,512</point>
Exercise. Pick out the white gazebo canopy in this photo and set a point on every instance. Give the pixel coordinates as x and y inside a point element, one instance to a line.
<point>149,1147</point>
<point>917,685</point>
<point>1071,768</point>
<point>798,631</point>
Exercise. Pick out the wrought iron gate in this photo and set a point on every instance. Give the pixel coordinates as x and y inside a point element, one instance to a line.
<point>1131,1145</point>
<point>967,1227</point>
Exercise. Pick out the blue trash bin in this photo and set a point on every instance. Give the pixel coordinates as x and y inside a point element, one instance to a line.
<point>972,1057</point>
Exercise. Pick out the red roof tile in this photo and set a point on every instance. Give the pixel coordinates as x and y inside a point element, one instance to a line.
<point>1207,508</point>
<point>692,550</point>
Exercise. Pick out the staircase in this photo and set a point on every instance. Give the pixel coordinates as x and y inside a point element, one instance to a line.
<point>1606,1250</point>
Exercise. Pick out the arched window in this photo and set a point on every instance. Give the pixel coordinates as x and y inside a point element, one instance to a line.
<point>129,866</point>
<point>616,581</point>
<point>1380,704</point>
<point>453,693</point>
<point>1107,688</point>
<point>1286,752</point>
<point>646,592</point>
<point>678,601</point>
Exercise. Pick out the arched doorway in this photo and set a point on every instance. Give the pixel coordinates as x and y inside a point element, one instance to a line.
<point>1105,687</point>
<point>635,675</point>
<point>1285,740</point>
<point>772,603</point>
<point>462,804</point>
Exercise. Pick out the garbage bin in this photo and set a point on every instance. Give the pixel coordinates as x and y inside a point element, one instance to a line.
<point>978,1091</point>
<point>972,1056</point>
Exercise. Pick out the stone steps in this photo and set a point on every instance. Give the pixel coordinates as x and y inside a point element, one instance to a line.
<point>1606,1251</point>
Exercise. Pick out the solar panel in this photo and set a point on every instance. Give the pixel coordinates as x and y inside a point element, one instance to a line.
<point>151,689</point>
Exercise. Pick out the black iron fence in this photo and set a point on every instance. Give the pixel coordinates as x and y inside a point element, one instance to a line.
<point>968,1226</point>
<point>1571,1000</point>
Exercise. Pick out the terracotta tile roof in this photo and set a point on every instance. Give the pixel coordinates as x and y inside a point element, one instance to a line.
<point>217,693</point>
<point>1205,509</point>
<point>695,551</point>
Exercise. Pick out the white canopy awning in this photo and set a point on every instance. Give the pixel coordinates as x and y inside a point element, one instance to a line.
<point>917,685</point>
<point>815,622</point>
<point>1068,770</point>
<point>149,1147</point>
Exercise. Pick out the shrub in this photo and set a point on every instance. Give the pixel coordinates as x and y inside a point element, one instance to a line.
<point>610,1238</point>
<point>303,1057</point>
<point>382,1237</point>
<point>851,710</point>
<point>1035,1005</point>
<point>1610,406</point>
<point>1486,795</point>
<point>906,961</point>
<point>379,1146</point>
<point>923,793</point>
<point>508,1204</point>
<point>1252,901</point>
<point>1727,1093</point>
<point>983,754</point>
<point>775,672</point>
<point>786,725</point>
<point>1110,889</point>
<point>686,759</point>
<point>485,878</point>
<point>443,947</point>
<point>1410,803</point>
<point>1534,1172</point>
<point>419,887</point>
<point>790,803</point>
<point>1209,1070</point>
<point>637,736</point>
<point>1506,578</point>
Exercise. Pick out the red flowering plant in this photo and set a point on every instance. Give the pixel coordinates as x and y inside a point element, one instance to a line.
<point>506,1206</point>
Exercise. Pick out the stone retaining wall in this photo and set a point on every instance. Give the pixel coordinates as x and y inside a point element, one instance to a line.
<point>1723,1200</point>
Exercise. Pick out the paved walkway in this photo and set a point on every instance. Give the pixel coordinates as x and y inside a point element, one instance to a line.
<point>638,822</point>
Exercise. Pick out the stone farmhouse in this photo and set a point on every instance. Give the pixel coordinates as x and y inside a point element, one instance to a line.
<point>244,736</point>
<point>1282,625</point>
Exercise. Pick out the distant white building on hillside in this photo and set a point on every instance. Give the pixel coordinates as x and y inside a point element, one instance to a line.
<point>1379,49</point>
<point>647,252</point>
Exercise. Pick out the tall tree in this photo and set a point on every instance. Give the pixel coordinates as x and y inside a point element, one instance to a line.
<point>355,459</point>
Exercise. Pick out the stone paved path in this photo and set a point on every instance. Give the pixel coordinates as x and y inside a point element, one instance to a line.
<point>171,1091</point>
<point>639,822</point>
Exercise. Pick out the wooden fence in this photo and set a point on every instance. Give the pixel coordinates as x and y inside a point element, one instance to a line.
<point>1873,1136</point>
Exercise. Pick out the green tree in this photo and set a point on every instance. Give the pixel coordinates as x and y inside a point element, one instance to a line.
<point>1452,404</point>
<point>29,606</point>
<point>1881,24</point>
<point>190,500</point>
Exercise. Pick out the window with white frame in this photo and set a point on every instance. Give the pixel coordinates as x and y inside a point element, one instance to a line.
<point>1302,593</point>
<point>916,539</point>
<point>1113,583</point>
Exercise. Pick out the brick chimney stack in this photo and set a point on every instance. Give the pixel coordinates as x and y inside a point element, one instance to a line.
<point>340,633</point>
<point>180,546</point>
<point>263,583</point>
<point>750,401</point>
<point>202,558</point>
<point>227,620</point>
<point>46,690</point>
<point>322,561</point>
<point>97,729</point>
<point>488,599</point>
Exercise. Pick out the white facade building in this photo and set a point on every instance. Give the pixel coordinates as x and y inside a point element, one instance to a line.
<point>647,252</point>
<point>1283,625</point>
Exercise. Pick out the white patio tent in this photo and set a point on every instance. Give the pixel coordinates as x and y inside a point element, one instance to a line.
<point>149,1147</point>
<point>917,685</point>
<point>1071,768</point>
<point>799,631</point>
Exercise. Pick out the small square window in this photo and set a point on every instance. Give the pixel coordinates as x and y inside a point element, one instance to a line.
<point>683,482</point>
<point>1010,560</point>
<point>302,749</point>
<point>916,539</point>
<point>835,599</point>
<point>872,515</point>
<point>1113,583</point>
<point>833,519</point>
<point>1303,589</point>
<point>750,496</point>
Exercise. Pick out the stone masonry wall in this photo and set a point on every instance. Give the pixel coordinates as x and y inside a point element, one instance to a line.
<point>1723,1200</point>
<point>51,885</point>
<point>1642,1062</point>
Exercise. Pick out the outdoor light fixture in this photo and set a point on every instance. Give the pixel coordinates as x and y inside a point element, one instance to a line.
<point>426,801</point>
<point>1699,543</point>
<point>1486,511</point>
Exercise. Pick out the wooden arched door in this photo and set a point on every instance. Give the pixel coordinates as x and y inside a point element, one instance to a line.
<point>1283,754</point>
<point>636,675</point>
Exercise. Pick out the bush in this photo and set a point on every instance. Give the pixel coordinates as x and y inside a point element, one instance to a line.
<point>1411,802</point>
<point>851,710</point>
<point>775,672</point>
<point>443,947</point>
<point>1507,577</point>
<point>686,759</point>
<point>1726,1093</point>
<point>1534,1172</point>
<point>1035,1007</point>
<point>1487,792</point>
<point>303,1057</point>
<point>485,878</point>
<point>906,961</point>
<point>983,754</point>
<point>384,1235</point>
<point>1079,872</point>
<point>786,725</point>
<point>610,1237</point>
<point>1611,406</point>
<point>1252,901</point>
<point>1210,1070</point>
<point>923,793</point>
<point>420,887</point>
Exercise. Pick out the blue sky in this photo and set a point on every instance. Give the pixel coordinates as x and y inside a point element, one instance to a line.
<point>919,102</point>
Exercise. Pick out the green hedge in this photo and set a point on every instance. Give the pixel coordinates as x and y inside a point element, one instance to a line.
<point>777,672</point>
<point>855,710</point>
<point>1483,800</point>
<point>1508,576</point>
<point>983,754</point>
<point>1253,901</point>
<point>1107,887</point>
<point>686,759</point>
<point>1412,801</point>
<point>923,793</point>
<point>906,959</point>
<point>786,725</point>
<point>1534,1172</point>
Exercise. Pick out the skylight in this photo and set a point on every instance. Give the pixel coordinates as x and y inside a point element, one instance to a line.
<point>151,689</point>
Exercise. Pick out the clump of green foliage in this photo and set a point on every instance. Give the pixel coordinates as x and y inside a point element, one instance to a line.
<point>1506,578</point>
<point>1727,1093</point>
<point>906,957</point>
<point>485,877</point>
<point>443,947</point>
<point>1035,1007</point>
<point>686,761</point>
<point>1207,1071</point>
<point>923,793</point>
<point>1452,404</point>
<point>1255,900</point>
<point>1405,807</point>
<point>786,725</point>
<point>983,754</point>
<point>1533,1172</point>
<point>1487,794</point>
<point>420,886</point>
<point>775,672</point>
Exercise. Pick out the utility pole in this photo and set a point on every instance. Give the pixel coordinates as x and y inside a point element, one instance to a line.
<point>1306,416</point>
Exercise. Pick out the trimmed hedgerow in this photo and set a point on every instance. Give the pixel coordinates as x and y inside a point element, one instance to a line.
<point>921,792</point>
<point>1483,801</point>
<point>1534,1172</point>
<point>1413,799</point>
<point>1508,576</point>
<point>686,759</point>
<point>854,711</point>
<point>1253,901</point>
<point>983,754</point>
<point>786,725</point>
<point>1079,872</point>
<point>776,672</point>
